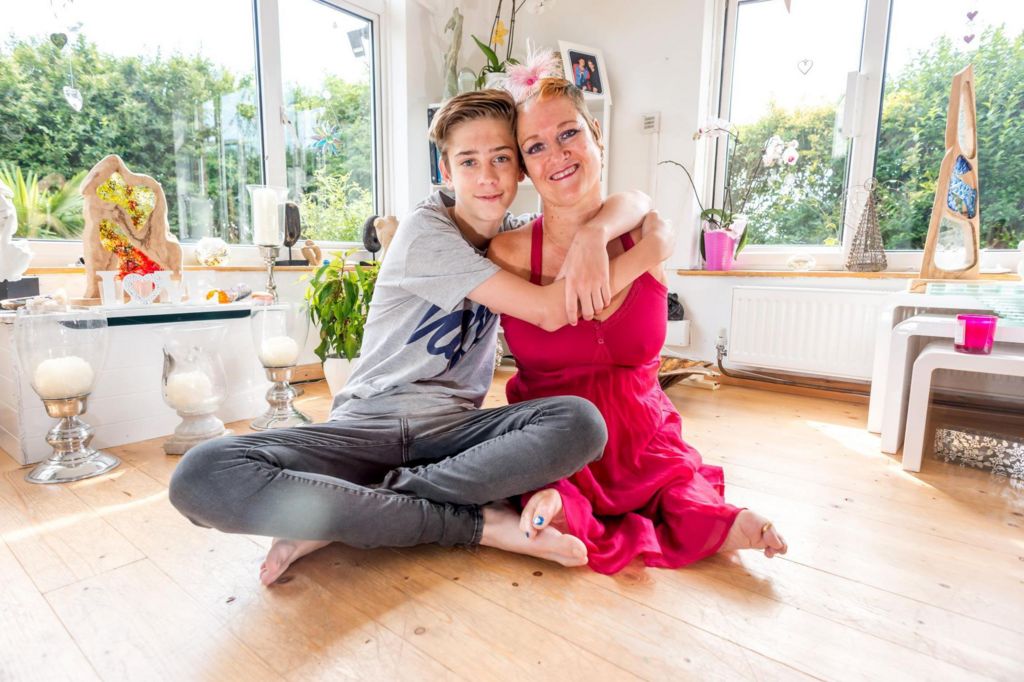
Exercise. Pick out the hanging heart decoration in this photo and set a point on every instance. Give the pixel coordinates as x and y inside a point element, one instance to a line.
<point>804,66</point>
<point>59,39</point>
<point>968,38</point>
<point>972,14</point>
<point>73,97</point>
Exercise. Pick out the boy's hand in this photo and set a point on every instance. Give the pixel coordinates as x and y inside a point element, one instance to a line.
<point>587,291</point>
<point>661,231</point>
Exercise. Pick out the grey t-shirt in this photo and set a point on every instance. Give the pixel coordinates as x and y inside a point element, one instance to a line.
<point>426,346</point>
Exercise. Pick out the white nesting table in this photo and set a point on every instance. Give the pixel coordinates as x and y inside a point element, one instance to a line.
<point>898,308</point>
<point>905,341</point>
<point>1005,360</point>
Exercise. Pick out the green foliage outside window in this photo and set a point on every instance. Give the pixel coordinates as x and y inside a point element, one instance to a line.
<point>188,123</point>
<point>804,206</point>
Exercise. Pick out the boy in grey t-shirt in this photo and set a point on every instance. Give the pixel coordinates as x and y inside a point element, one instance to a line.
<point>408,457</point>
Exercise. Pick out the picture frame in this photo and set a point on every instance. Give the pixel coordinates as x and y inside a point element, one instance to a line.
<point>590,75</point>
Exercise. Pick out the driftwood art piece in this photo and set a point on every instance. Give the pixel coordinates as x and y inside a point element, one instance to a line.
<point>951,250</point>
<point>126,225</point>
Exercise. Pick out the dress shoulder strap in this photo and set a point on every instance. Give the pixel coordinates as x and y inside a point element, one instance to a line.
<point>627,241</point>
<point>537,250</point>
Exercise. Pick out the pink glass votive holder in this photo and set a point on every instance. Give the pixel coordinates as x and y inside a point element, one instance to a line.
<point>975,333</point>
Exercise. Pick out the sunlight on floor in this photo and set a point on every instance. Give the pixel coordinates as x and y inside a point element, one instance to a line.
<point>46,527</point>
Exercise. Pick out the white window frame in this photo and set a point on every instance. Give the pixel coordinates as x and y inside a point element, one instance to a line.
<point>861,161</point>
<point>64,252</point>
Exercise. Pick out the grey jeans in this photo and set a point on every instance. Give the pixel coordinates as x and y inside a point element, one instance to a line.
<point>388,481</point>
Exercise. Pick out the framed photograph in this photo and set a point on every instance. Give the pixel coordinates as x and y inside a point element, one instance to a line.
<point>584,66</point>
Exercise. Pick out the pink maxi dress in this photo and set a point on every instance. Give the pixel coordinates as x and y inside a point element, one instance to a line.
<point>650,495</point>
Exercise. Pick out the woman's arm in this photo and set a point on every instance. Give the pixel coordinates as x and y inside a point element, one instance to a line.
<point>543,306</point>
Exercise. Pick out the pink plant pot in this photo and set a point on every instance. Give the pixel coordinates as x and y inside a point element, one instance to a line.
<point>719,247</point>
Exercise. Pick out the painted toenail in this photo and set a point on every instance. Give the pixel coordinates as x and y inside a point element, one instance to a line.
<point>538,520</point>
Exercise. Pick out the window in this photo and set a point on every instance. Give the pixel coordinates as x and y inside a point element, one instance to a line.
<point>786,73</point>
<point>204,106</point>
<point>327,67</point>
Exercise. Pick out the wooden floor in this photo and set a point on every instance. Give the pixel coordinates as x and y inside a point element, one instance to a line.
<point>889,576</point>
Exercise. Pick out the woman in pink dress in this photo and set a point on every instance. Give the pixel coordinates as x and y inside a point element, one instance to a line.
<point>650,496</point>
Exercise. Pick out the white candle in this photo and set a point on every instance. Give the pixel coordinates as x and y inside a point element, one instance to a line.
<point>279,351</point>
<point>66,377</point>
<point>266,220</point>
<point>189,391</point>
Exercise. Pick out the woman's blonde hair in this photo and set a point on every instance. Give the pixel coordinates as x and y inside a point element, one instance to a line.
<point>553,86</point>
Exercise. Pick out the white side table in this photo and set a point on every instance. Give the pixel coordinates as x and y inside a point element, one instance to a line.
<point>899,307</point>
<point>1004,359</point>
<point>905,342</point>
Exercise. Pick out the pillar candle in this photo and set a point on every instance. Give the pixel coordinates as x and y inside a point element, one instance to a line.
<point>279,351</point>
<point>266,220</point>
<point>66,377</point>
<point>189,391</point>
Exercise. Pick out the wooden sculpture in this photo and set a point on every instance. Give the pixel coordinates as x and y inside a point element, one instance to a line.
<point>951,250</point>
<point>126,225</point>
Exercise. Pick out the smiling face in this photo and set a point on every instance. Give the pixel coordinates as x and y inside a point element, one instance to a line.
<point>481,166</point>
<point>562,157</point>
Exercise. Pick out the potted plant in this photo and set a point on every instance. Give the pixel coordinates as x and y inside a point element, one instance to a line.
<point>339,301</point>
<point>493,71</point>
<point>723,230</point>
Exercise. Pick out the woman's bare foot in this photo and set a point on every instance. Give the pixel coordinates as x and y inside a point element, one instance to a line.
<point>502,531</point>
<point>543,510</point>
<point>283,553</point>
<point>753,531</point>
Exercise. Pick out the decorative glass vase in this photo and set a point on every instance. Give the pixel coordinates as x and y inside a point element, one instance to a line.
<point>194,384</point>
<point>279,334</point>
<point>62,350</point>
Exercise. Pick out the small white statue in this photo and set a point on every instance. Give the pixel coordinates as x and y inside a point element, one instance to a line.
<point>14,256</point>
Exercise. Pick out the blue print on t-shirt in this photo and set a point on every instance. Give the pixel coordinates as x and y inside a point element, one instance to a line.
<point>472,325</point>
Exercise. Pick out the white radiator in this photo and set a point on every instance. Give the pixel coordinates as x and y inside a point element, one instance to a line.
<point>825,332</point>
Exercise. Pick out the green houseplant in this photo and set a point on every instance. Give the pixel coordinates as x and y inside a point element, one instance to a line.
<point>339,301</point>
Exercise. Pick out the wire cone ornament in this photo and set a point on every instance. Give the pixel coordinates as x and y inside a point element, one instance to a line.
<point>866,252</point>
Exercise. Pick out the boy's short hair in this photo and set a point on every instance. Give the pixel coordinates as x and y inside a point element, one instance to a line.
<point>470,106</point>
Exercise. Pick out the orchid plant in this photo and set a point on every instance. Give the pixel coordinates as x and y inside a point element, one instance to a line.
<point>502,35</point>
<point>730,217</point>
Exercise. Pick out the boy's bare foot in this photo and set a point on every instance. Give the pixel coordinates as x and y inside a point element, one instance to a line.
<point>283,553</point>
<point>543,510</point>
<point>753,531</point>
<point>502,531</point>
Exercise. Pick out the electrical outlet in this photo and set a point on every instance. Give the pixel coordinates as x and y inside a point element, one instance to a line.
<point>650,123</point>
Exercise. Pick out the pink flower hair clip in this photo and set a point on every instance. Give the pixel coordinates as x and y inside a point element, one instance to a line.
<point>522,79</point>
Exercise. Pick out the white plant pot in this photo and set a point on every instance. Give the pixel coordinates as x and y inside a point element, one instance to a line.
<point>337,371</point>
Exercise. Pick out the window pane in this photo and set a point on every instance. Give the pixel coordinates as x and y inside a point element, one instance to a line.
<point>326,66</point>
<point>173,95</point>
<point>789,79</point>
<point>928,43</point>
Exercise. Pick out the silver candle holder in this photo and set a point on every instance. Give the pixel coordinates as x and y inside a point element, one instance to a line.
<point>279,333</point>
<point>269,255</point>
<point>61,350</point>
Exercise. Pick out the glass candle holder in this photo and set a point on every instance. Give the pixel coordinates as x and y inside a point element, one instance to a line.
<point>62,350</point>
<point>194,383</point>
<point>975,333</point>
<point>279,334</point>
